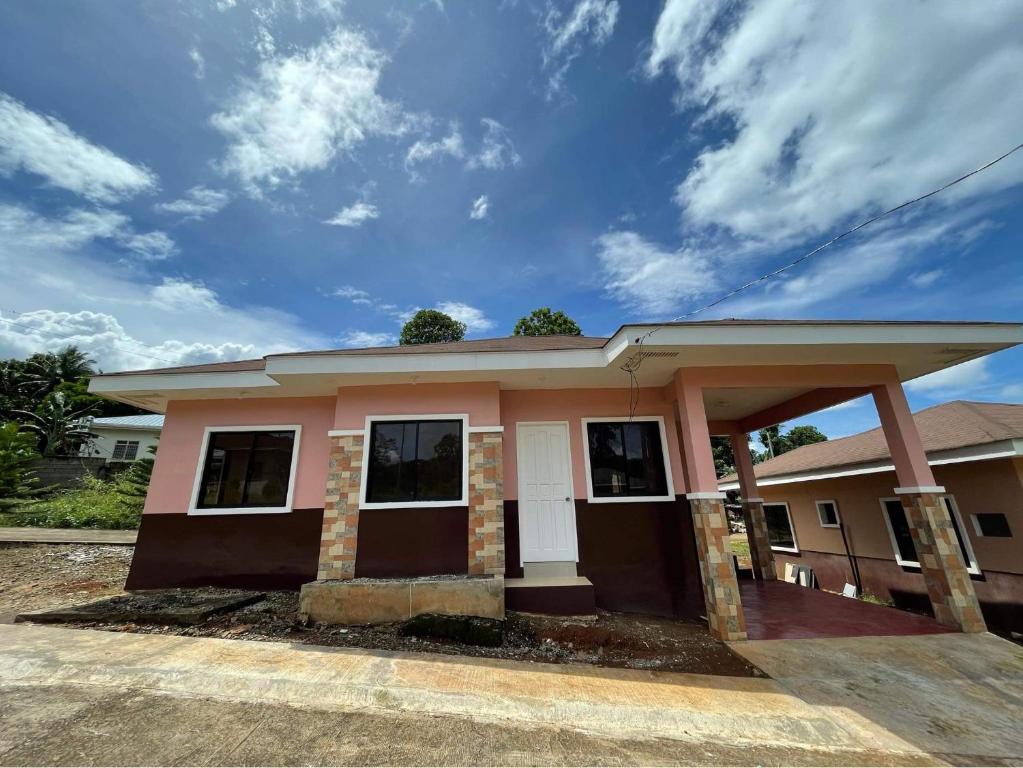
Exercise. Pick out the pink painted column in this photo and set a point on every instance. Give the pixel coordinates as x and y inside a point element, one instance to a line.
<point>710,523</point>
<point>937,547</point>
<point>761,554</point>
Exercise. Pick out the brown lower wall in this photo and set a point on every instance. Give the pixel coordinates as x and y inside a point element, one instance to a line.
<point>1000,594</point>
<point>412,542</point>
<point>244,551</point>
<point>641,558</point>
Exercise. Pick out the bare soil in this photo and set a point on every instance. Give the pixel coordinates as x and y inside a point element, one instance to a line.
<point>39,576</point>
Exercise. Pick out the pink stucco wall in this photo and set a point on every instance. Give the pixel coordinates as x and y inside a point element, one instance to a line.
<point>181,441</point>
<point>573,405</point>
<point>481,400</point>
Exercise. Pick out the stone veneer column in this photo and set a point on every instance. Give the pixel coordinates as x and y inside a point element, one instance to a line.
<point>341,508</point>
<point>937,548</point>
<point>761,554</point>
<point>486,504</point>
<point>720,586</point>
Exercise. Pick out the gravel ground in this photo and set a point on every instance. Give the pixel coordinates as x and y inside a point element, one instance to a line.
<point>43,576</point>
<point>38,576</point>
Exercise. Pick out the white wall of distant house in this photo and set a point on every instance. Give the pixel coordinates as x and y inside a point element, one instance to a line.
<point>106,439</point>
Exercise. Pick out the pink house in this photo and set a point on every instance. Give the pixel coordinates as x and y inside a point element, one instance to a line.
<point>538,473</point>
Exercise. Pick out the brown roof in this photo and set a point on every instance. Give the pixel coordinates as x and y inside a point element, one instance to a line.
<point>942,428</point>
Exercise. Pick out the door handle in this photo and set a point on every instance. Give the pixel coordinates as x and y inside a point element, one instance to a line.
<point>568,498</point>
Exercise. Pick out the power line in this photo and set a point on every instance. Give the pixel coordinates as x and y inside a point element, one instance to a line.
<point>40,332</point>
<point>834,240</point>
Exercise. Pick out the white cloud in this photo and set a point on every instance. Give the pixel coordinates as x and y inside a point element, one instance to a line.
<point>198,61</point>
<point>423,150</point>
<point>926,279</point>
<point>475,319</point>
<point>834,114</point>
<point>648,278</point>
<point>497,150</point>
<point>197,203</point>
<point>360,339</point>
<point>590,21</point>
<point>958,379</point>
<point>353,294</point>
<point>21,228</point>
<point>354,215</point>
<point>47,147</point>
<point>480,208</point>
<point>1011,391</point>
<point>306,109</point>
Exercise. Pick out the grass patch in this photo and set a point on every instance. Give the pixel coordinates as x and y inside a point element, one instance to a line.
<point>739,546</point>
<point>96,504</point>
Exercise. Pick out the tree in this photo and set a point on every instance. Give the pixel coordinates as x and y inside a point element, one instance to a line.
<point>544,322</point>
<point>132,485</point>
<point>775,443</point>
<point>17,453</point>
<point>61,431</point>
<point>805,434</point>
<point>428,326</point>
<point>724,458</point>
<point>45,371</point>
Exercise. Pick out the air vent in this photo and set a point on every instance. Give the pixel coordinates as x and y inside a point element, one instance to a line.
<point>644,354</point>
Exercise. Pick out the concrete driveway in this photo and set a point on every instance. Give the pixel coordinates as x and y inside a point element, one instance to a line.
<point>96,698</point>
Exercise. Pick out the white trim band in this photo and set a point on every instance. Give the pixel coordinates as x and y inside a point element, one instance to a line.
<point>754,500</point>
<point>920,489</point>
<point>345,432</point>
<point>706,495</point>
<point>486,429</point>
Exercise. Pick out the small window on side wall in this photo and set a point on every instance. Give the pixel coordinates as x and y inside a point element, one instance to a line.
<point>780,533</point>
<point>827,512</point>
<point>415,462</point>
<point>626,460</point>
<point>992,525</point>
<point>902,537</point>
<point>126,450</point>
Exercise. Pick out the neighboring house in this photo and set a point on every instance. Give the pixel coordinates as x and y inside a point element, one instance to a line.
<point>554,473</point>
<point>123,438</point>
<point>831,506</point>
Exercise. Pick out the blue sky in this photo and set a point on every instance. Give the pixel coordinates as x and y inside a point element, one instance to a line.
<point>195,181</point>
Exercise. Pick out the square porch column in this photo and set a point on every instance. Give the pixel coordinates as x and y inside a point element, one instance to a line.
<point>710,523</point>
<point>761,554</point>
<point>486,502</point>
<point>948,584</point>
<point>340,534</point>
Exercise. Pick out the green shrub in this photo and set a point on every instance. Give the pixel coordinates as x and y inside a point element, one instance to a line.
<point>96,504</point>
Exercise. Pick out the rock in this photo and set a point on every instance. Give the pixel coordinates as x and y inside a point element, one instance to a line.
<point>471,630</point>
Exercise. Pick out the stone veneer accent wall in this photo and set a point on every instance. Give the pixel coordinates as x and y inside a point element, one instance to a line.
<point>760,551</point>
<point>948,583</point>
<point>720,586</point>
<point>486,504</point>
<point>340,533</point>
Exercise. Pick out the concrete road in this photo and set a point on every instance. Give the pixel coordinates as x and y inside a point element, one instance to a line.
<point>98,698</point>
<point>66,536</point>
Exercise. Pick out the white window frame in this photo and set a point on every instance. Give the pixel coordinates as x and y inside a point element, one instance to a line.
<point>794,549</point>
<point>972,567</point>
<point>193,508</point>
<point>127,444</point>
<point>669,496</point>
<point>820,517</point>
<point>462,502</point>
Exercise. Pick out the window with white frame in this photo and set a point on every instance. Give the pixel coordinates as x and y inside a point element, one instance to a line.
<point>247,469</point>
<point>902,538</point>
<point>780,533</point>
<point>827,513</point>
<point>125,450</point>
<point>627,460</point>
<point>416,461</point>
<point>991,525</point>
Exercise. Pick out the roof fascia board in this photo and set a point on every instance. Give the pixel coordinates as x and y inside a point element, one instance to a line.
<point>441,362</point>
<point>1000,450</point>
<point>177,381</point>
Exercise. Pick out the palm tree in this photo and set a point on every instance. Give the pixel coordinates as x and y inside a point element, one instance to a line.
<point>44,372</point>
<point>61,431</point>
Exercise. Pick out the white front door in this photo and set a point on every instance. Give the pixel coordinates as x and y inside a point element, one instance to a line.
<point>546,506</point>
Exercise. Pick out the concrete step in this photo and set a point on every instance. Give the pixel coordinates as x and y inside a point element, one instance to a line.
<point>555,595</point>
<point>550,568</point>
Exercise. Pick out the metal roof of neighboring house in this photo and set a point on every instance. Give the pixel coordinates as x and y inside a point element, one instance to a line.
<point>152,421</point>
<point>945,427</point>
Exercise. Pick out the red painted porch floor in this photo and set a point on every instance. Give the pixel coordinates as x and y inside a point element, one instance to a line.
<point>777,610</point>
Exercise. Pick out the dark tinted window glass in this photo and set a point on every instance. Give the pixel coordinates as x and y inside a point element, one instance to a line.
<point>415,461</point>
<point>955,527</point>
<point>900,528</point>
<point>779,532</point>
<point>626,459</point>
<point>246,469</point>
<point>827,512</point>
<point>993,524</point>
